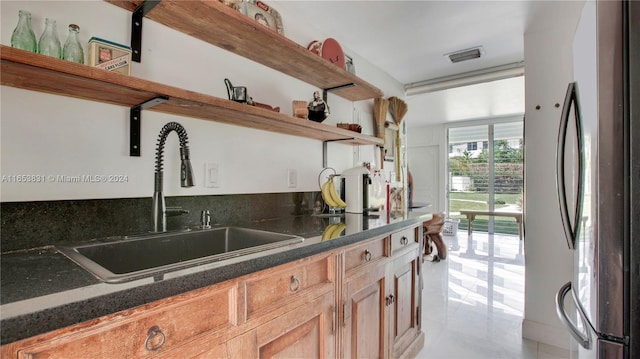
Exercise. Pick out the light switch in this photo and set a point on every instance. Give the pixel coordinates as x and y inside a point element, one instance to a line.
<point>292,178</point>
<point>213,175</point>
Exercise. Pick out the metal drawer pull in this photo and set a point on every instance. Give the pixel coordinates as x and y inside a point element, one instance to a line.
<point>367,255</point>
<point>152,333</point>
<point>404,240</point>
<point>294,285</point>
<point>389,300</point>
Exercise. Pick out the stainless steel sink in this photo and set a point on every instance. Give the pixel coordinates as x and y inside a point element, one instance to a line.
<point>154,254</point>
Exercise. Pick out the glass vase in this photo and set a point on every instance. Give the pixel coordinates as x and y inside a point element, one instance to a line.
<point>49,43</point>
<point>72,50</point>
<point>23,36</point>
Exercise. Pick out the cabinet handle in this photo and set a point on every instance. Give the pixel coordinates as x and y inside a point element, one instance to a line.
<point>294,285</point>
<point>334,313</point>
<point>367,255</point>
<point>389,300</point>
<point>345,314</point>
<point>151,334</point>
<point>404,240</point>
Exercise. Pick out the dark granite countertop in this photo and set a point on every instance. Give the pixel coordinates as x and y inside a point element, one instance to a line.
<point>41,286</point>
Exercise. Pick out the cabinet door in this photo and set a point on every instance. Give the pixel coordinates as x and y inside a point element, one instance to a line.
<point>144,331</point>
<point>305,332</point>
<point>365,312</point>
<point>404,316</point>
<point>272,292</point>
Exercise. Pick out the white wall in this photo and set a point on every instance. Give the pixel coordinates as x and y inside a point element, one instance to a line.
<point>52,135</point>
<point>421,138</point>
<point>548,69</point>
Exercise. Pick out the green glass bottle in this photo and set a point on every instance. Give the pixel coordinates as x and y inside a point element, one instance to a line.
<point>49,43</point>
<point>23,36</point>
<point>72,49</point>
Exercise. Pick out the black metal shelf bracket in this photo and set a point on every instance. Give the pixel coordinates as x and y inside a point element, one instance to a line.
<point>136,27</point>
<point>135,114</point>
<point>324,148</point>
<point>326,91</point>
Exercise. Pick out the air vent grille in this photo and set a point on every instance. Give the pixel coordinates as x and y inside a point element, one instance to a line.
<point>465,55</point>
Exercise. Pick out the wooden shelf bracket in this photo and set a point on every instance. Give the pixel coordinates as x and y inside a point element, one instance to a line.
<point>135,114</point>
<point>136,27</point>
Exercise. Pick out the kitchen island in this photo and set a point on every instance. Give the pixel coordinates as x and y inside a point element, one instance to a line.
<point>50,305</point>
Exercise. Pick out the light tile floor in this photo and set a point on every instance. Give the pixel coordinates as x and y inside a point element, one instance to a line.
<point>473,302</point>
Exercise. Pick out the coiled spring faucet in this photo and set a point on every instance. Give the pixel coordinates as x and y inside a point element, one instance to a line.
<point>186,173</point>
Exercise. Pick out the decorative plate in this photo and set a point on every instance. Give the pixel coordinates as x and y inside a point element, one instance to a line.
<point>263,14</point>
<point>332,51</point>
<point>329,50</point>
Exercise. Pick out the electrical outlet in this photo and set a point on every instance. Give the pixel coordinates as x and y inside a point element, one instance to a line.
<point>292,178</point>
<point>213,175</point>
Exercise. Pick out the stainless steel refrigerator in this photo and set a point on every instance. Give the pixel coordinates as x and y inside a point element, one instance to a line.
<point>598,180</point>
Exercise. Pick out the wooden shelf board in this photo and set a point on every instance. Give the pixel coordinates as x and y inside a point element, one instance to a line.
<point>219,25</point>
<point>36,72</point>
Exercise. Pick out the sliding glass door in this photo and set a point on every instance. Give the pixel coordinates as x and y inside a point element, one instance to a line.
<point>485,168</point>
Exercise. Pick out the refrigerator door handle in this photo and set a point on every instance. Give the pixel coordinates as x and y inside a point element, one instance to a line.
<point>583,338</point>
<point>570,228</point>
<point>560,167</point>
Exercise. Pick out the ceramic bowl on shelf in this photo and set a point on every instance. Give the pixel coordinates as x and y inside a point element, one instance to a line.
<point>350,126</point>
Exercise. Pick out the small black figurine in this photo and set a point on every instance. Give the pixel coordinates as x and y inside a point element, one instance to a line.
<point>318,108</point>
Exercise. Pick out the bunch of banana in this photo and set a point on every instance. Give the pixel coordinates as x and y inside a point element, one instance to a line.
<point>333,231</point>
<point>330,195</point>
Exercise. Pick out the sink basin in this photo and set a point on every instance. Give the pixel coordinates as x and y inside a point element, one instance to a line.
<point>155,254</point>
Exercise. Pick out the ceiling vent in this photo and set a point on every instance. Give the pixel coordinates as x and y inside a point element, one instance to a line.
<point>464,55</point>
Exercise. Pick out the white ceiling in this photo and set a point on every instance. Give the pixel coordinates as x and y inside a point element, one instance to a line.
<point>408,40</point>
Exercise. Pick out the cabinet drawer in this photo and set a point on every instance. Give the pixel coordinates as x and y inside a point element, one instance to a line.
<point>144,331</point>
<point>277,288</point>
<point>365,253</point>
<point>403,239</point>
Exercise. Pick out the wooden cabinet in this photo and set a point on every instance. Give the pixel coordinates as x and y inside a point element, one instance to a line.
<point>382,297</point>
<point>361,301</point>
<point>366,324</point>
<point>290,310</point>
<point>140,332</point>
<point>405,333</point>
<point>308,331</point>
<point>274,291</point>
<point>404,240</point>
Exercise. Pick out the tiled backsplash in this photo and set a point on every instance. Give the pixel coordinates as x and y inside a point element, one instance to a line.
<point>27,225</point>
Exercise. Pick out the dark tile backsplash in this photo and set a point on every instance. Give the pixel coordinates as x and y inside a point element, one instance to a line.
<point>26,225</point>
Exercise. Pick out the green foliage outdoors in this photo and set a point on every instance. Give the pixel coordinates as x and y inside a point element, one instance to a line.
<point>508,175</point>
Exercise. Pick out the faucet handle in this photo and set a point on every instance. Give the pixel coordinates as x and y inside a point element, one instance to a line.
<point>205,219</point>
<point>176,211</point>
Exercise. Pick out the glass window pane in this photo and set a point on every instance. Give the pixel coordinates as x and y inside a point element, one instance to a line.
<point>486,178</point>
<point>468,171</point>
<point>508,173</point>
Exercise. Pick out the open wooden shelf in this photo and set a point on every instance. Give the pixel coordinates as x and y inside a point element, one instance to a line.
<point>215,23</point>
<point>36,72</point>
